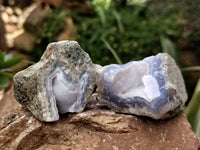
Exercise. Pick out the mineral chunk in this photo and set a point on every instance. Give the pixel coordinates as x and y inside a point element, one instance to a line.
<point>153,87</point>
<point>62,81</point>
<point>65,78</point>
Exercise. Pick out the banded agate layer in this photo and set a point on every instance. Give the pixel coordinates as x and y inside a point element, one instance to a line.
<point>153,87</point>
<point>62,81</point>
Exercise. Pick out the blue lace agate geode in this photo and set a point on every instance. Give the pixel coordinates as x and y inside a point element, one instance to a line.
<point>62,81</point>
<point>153,87</point>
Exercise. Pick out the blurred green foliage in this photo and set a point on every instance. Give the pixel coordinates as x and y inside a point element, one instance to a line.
<point>189,15</point>
<point>194,40</point>
<point>133,31</point>
<point>116,32</point>
<point>6,62</point>
<point>193,110</point>
<point>53,23</point>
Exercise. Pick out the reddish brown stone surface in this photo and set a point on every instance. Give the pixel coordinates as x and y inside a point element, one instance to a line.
<point>94,130</point>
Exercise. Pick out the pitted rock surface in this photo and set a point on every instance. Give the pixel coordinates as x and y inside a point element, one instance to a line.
<point>95,130</point>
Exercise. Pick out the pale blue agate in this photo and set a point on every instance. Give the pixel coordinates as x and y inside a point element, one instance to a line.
<point>69,94</point>
<point>143,87</point>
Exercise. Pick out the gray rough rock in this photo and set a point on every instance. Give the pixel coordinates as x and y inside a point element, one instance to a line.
<point>62,81</point>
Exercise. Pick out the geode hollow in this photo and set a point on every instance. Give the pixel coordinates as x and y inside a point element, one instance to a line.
<point>153,87</point>
<point>62,81</point>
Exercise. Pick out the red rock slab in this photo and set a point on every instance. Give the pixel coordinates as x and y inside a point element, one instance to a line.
<point>95,129</point>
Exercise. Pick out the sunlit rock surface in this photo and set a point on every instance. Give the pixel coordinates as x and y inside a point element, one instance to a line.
<point>153,87</point>
<point>62,81</point>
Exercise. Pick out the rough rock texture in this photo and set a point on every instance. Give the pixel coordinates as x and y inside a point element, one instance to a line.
<point>152,87</point>
<point>99,130</point>
<point>62,81</point>
<point>8,109</point>
<point>92,130</point>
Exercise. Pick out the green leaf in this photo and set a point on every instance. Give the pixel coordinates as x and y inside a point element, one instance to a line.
<point>193,68</point>
<point>102,3</point>
<point>137,2</point>
<point>112,51</point>
<point>11,62</point>
<point>102,15</point>
<point>119,22</point>
<point>5,70</point>
<point>4,81</point>
<point>6,74</point>
<point>193,109</point>
<point>2,55</point>
<point>197,123</point>
<point>168,46</point>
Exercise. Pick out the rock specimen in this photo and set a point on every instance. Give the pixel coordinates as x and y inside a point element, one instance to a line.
<point>65,78</point>
<point>62,81</point>
<point>153,87</point>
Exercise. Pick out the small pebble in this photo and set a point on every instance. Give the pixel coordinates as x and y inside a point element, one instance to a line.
<point>17,11</point>
<point>150,129</point>
<point>30,121</point>
<point>5,17</point>
<point>13,19</point>
<point>89,132</point>
<point>16,117</point>
<point>9,10</point>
